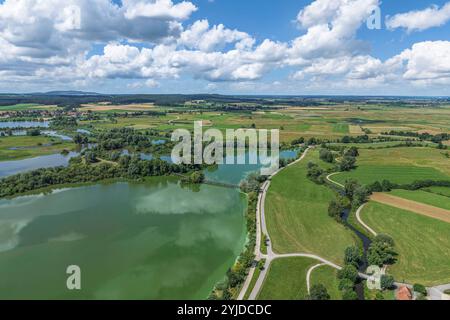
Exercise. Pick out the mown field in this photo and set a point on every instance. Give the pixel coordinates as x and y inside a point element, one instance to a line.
<point>26,106</point>
<point>30,147</point>
<point>297,215</point>
<point>399,165</point>
<point>443,191</point>
<point>286,279</point>
<point>429,198</point>
<point>423,243</point>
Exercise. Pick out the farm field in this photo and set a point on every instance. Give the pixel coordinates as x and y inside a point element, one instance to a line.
<point>413,206</point>
<point>428,198</point>
<point>117,108</point>
<point>286,279</point>
<point>423,247</point>
<point>297,215</point>
<point>330,122</point>
<point>399,165</point>
<point>26,106</point>
<point>20,147</point>
<point>443,191</point>
<point>327,276</point>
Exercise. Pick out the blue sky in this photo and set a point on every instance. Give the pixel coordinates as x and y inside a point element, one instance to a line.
<point>264,46</point>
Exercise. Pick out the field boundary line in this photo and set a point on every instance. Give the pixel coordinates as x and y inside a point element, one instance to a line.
<point>412,206</point>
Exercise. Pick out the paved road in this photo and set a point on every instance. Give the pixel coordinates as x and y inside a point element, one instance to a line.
<point>435,293</point>
<point>358,217</point>
<point>334,182</point>
<point>271,255</point>
<point>308,276</point>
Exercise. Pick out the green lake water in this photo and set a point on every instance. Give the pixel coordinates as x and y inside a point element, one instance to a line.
<point>156,240</point>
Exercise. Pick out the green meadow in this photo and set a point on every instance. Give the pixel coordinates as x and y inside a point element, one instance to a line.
<point>429,198</point>
<point>21,147</point>
<point>423,243</point>
<point>286,279</point>
<point>297,215</point>
<point>400,165</point>
<point>327,276</point>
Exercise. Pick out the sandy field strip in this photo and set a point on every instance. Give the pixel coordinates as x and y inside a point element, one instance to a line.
<point>413,206</point>
<point>110,107</point>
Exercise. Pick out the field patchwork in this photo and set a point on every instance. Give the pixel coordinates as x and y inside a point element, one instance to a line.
<point>413,206</point>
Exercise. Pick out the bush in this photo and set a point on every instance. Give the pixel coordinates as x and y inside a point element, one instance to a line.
<point>326,155</point>
<point>349,295</point>
<point>348,272</point>
<point>387,282</point>
<point>319,292</point>
<point>420,289</point>
<point>353,256</point>
<point>346,284</point>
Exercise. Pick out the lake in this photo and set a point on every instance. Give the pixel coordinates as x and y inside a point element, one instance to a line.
<point>156,240</point>
<point>24,124</point>
<point>8,168</point>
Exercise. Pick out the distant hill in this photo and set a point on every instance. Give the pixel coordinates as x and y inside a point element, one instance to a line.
<point>69,93</point>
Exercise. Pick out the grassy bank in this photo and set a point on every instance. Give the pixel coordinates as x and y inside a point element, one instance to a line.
<point>297,215</point>
<point>286,279</point>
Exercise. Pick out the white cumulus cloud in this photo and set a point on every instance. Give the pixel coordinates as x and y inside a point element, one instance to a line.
<point>421,19</point>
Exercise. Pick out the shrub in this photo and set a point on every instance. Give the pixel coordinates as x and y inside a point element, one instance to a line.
<point>420,289</point>
<point>319,292</point>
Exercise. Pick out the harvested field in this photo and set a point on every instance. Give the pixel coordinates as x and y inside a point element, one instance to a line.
<point>111,107</point>
<point>413,206</point>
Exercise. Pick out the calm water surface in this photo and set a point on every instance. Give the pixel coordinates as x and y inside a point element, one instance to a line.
<point>149,241</point>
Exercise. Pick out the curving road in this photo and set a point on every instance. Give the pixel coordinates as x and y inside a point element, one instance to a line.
<point>358,217</point>
<point>334,182</point>
<point>434,292</point>
<point>271,256</point>
<point>308,275</point>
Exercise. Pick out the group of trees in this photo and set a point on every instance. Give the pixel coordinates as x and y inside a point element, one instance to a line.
<point>386,185</point>
<point>326,155</point>
<point>121,138</point>
<point>348,275</point>
<point>81,170</point>
<point>356,193</point>
<point>359,139</point>
<point>348,161</point>
<point>235,277</point>
<point>425,136</point>
<point>315,173</point>
<point>63,122</point>
<point>381,251</point>
<point>252,183</point>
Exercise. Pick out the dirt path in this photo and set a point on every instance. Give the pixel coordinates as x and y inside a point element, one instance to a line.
<point>413,206</point>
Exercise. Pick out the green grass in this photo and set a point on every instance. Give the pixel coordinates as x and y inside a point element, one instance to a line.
<point>423,243</point>
<point>286,279</point>
<point>443,191</point>
<point>18,107</point>
<point>297,215</point>
<point>400,165</point>
<point>327,276</point>
<point>367,174</point>
<point>341,128</point>
<point>30,147</point>
<point>372,294</point>
<point>252,283</point>
<point>429,198</point>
